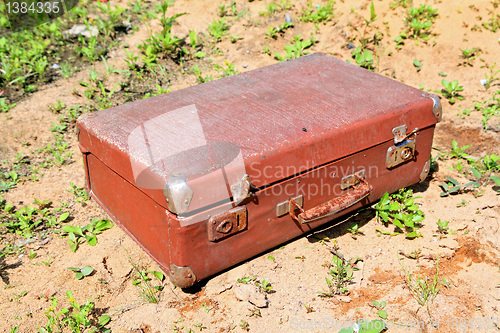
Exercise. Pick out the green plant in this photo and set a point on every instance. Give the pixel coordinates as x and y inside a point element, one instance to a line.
<point>401,210</point>
<point>459,152</point>
<point>149,283</point>
<point>402,3</point>
<point>491,76</point>
<point>255,312</point>
<point>318,14</point>
<point>419,20</point>
<point>76,317</point>
<point>341,272</point>
<point>80,273</point>
<point>264,286</point>
<point>380,309</point>
<point>489,108</point>
<point>451,90</point>
<point>494,22</point>
<point>468,55</point>
<point>496,179</point>
<point>422,288</point>
<point>296,49</point>
<point>363,58</point>
<point>245,326</point>
<point>454,187</point>
<point>217,29</point>
<point>272,32</point>
<point>9,182</point>
<point>89,232</point>
<point>418,64</point>
<point>443,226</point>
<point>81,194</point>
<point>32,254</point>
<point>4,107</point>
<point>355,231</point>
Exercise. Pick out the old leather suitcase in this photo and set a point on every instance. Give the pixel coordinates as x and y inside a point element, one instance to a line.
<point>206,177</point>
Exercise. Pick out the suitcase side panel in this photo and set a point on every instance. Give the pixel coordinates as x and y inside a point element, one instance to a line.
<point>131,209</point>
<point>265,230</point>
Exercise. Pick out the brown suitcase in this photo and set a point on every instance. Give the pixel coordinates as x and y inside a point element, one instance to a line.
<point>206,177</point>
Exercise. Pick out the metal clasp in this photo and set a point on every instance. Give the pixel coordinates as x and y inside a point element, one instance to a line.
<point>352,179</point>
<point>288,206</point>
<point>404,146</point>
<point>228,223</point>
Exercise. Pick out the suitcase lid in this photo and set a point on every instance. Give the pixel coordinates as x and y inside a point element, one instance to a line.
<point>270,124</point>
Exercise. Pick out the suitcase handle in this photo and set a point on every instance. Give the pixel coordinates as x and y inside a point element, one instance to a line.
<point>336,205</point>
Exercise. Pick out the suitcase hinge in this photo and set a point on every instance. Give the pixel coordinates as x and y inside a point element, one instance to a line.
<point>226,224</point>
<point>177,193</point>
<point>241,190</point>
<point>404,146</point>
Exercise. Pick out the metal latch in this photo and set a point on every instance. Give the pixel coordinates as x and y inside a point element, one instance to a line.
<point>404,146</point>
<point>286,207</point>
<point>352,179</point>
<point>226,224</point>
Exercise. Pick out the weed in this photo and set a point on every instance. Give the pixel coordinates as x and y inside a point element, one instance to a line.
<point>217,29</point>
<point>272,32</point>
<point>245,326</point>
<point>341,272</point>
<point>274,7</point>
<point>57,107</point>
<point>454,187</point>
<point>296,49</point>
<point>401,210</point>
<point>10,179</point>
<point>468,56</point>
<point>319,14</point>
<point>402,3</point>
<point>451,90</point>
<point>418,64</point>
<point>494,22</point>
<point>491,76</point>
<point>423,289</point>
<point>200,326</point>
<point>264,286</point>
<point>380,309</point>
<point>80,273</point>
<point>496,179</point>
<point>4,107</point>
<point>363,58</point>
<point>355,231</point>
<point>81,194</point>
<point>443,226</point>
<point>32,254</point>
<point>255,312</point>
<point>25,220</point>
<point>228,70</point>
<point>143,280</point>
<point>89,232</point>
<point>76,317</point>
